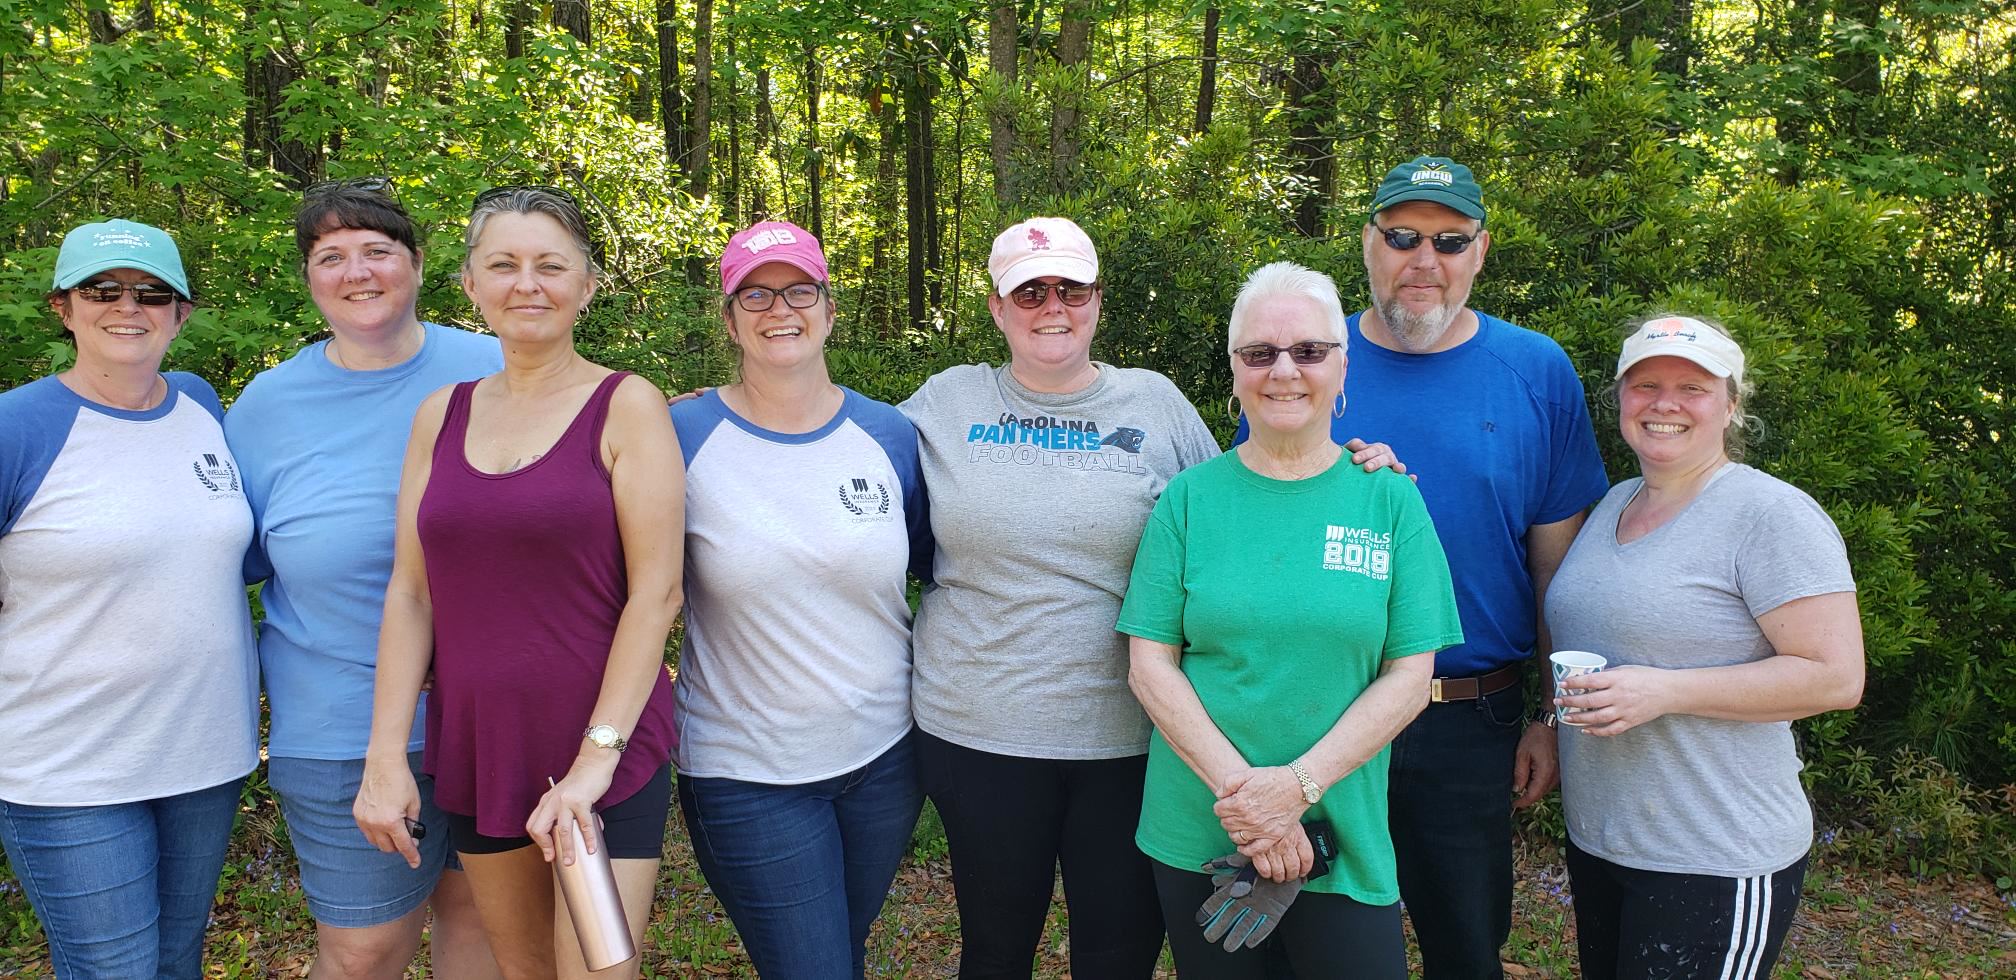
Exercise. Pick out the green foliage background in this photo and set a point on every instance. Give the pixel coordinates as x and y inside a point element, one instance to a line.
<point>1833,179</point>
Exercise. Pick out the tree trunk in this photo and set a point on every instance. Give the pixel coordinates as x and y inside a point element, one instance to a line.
<point>1796,117</point>
<point>815,162</point>
<point>1002,61</point>
<point>572,16</point>
<point>517,14</point>
<point>1074,39</point>
<point>700,146</point>
<point>671,102</point>
<point>1308,145</point>
<point>1858,75</point>
<point>916,193</point>
<point>1207,75</point>
<point>882,306</point>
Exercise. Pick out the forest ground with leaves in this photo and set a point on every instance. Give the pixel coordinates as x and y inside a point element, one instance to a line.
<point>1855,922</point>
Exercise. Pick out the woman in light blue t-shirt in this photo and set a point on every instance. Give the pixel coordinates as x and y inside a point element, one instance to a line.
<point>321,437</point>
<point>1722,600</point>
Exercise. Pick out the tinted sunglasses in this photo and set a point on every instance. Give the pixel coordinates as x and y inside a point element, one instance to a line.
<point>144,293</point>
<point>759,299</point>
<point>1031,295</point>
<point>1407,240</point>
<point>506,190</point>
<point>1306,352</point>
<point>375,185</point>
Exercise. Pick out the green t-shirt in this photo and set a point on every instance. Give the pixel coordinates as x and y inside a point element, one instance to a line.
<point>1286,597</point>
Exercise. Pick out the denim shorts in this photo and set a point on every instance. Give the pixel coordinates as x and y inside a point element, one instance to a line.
<point>350,883</point>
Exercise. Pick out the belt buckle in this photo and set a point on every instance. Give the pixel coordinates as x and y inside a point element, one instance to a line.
<point>1435,691</point>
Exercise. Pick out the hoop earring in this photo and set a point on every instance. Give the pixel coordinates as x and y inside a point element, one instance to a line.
<point>1338,412</point>
<point>1232,410</point>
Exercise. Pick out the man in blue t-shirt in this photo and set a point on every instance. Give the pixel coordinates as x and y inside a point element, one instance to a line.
<point>1491,418</point>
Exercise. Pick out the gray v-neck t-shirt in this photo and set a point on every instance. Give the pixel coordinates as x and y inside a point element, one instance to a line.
<point>1685,794</point>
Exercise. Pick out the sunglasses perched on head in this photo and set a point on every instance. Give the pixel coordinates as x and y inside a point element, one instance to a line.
<point>1306,352</point>
<point>374,185</point>
<point>1031,295</point>
<point>1407,240</point>
<point>506,190</point>
<point>108,291</point>
<point>798,296</point>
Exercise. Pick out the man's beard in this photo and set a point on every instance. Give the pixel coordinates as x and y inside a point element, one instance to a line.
<point>1417,332</point>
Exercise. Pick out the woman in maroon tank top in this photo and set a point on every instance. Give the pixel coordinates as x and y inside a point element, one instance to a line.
<point>537,574</point>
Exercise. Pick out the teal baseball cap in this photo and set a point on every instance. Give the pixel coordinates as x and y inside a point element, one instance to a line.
<point>1437,179</point>
<point>120,244</point>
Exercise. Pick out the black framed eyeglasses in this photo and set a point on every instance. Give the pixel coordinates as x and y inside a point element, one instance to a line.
<point>375,185</point>
<point>1306,352</point>
<point>1032,295</point>
<point>798,296</point>
<point>109,291</point>
<point>1407,240</point>
<point>506,190</point>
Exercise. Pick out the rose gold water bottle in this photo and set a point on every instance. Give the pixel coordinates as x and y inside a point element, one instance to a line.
<point>589,888</point>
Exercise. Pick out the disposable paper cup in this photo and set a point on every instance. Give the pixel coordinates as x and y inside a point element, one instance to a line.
<point>1567,664</point>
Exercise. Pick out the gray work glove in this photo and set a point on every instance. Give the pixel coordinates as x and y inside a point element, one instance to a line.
<point>1245,908</point>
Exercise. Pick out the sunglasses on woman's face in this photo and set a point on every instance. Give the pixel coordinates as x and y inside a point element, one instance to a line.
<point>1032,295</point>
<point>108,291</point>
<point>1407,240</point>
<point>1306,352</point>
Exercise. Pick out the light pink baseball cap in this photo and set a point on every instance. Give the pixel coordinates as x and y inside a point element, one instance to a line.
<point>771,241</point>
<point>1684,337</point>
<point>1042,247</point>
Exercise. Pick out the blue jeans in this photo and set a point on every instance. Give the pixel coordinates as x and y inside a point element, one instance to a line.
<point>803,869</point>
<point>123,890</point>
<point>1449,798</point>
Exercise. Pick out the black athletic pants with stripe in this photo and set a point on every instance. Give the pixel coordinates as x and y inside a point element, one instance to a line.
<point>1655,925</point>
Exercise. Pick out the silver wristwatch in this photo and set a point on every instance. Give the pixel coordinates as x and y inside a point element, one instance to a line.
<point>606,737</point>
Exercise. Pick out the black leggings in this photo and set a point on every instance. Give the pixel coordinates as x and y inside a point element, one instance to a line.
<point>1656,925</point>
<point>1009,822</point>
<point>631,828</point>
<point>1320,935</point>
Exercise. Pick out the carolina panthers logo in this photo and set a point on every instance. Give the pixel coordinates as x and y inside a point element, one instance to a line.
<point>1127,440</point>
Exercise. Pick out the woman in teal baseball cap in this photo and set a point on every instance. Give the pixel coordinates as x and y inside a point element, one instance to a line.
<point>128,681</point>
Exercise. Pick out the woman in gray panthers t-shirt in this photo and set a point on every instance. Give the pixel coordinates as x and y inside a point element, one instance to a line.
<point>1722,600</point>
<point>1041,474</point>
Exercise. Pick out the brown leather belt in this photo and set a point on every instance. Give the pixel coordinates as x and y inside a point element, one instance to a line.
<point>1471,688</point>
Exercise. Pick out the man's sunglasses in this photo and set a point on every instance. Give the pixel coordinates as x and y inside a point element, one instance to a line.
<point>1306,352</point>
<point>108,291</point>
<point>759,299</point>
<point>1407,240</point>
<point>374,185</point>
<point>506,190</point>
<point>1032,295</point>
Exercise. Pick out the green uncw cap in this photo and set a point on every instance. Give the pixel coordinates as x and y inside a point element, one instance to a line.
<point>1437,179</point>
<point>120,244</point>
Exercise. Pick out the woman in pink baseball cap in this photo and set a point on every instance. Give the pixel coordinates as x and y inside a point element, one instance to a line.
<point>805,512</point>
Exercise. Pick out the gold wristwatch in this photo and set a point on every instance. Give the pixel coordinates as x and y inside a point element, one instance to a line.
<point>1312,794</point>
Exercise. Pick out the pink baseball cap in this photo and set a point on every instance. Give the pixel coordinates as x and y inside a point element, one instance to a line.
<point>771,241</point>
<point>1042,247</point>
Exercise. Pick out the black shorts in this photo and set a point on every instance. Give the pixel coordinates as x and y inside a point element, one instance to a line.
<point>632,828</point>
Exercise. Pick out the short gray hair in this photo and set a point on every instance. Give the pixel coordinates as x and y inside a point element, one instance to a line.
<point>1281,280</point>
<point>531,200</point>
